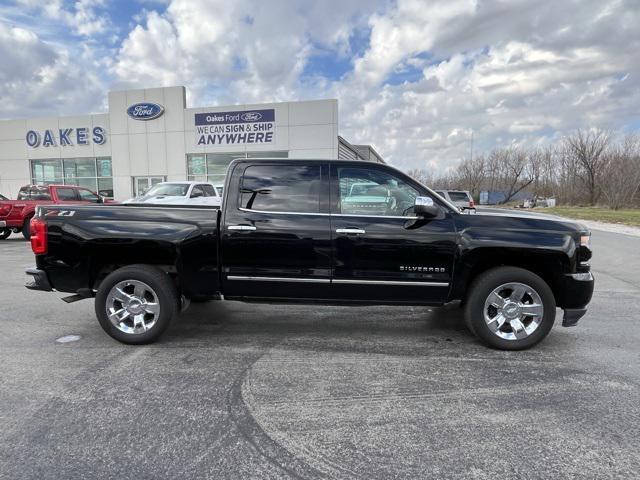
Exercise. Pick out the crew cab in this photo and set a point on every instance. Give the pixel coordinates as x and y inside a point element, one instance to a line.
<point>296,231</point>
<point>180,193</point>
<point>15,215</point>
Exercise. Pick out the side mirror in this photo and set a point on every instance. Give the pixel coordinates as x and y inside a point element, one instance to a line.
<point>424,207</point>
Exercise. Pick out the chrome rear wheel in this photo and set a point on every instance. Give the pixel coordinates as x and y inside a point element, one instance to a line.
<point>132,307</point>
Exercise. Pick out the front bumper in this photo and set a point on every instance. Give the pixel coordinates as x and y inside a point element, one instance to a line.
<point>577,293</point>
<point>40,280</point>
<point>3,224</point>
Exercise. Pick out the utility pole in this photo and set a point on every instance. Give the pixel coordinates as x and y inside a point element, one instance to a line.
<point>471,154</point>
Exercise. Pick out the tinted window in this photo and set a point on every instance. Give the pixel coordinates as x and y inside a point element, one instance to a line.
<point>365,191</point>
<point>282,188</point>
<point>209,191</point>
<point>67,194</point>
<point>87,196</point>
<point>40,193</point>
<point>459,196</point>
<point>23,194</point>
<point>197,191</point>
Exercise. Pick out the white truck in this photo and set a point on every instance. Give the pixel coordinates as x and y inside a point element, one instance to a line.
<point>180,193</point>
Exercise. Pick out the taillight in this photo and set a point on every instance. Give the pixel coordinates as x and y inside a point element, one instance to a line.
<point>38,230</point>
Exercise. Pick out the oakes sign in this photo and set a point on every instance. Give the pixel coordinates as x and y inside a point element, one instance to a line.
<point>145,111</point>
<point>66,137</point>
<point>235,128</point>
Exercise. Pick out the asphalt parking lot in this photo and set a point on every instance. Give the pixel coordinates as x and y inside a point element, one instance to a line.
<point>249,391</point>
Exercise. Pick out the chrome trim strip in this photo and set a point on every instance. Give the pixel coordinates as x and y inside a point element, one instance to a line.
<point>356,231</point>
<point>283,213</point>
<point>372,216</point>
<point>390,282</point>
<point>329,214</point>
<point>278,279</point>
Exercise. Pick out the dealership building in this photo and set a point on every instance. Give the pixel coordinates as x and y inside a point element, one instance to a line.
<point>149,136</point>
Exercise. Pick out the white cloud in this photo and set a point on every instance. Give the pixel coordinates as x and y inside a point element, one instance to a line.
<point>38,79</point>
<point>428,75</point>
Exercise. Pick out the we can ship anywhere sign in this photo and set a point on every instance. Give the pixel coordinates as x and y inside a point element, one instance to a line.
<point>235,128</point>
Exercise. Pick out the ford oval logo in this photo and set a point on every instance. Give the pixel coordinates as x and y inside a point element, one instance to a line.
<point>145,111</point>
<point>251,116</point>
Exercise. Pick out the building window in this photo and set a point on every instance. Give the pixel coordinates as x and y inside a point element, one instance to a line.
<point>212,167</point>
<point>92,173</point>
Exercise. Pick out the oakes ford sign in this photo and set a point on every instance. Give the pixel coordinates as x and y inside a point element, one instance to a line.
<point>145,111</point>
<point>235,128</point>
<point>66,137</point>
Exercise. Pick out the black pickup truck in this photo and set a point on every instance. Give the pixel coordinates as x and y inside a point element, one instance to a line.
<point>316,231</point>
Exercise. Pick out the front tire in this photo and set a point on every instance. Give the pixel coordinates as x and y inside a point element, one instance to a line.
<point>510,308</point>
<point>135,304</point>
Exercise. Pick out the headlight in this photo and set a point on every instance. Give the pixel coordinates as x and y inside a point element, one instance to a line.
<point>585,240</point>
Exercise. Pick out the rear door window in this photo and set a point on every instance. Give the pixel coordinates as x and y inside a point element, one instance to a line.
<point>40,193</point>
<point>281,188</point>
<point>67,194</point>
<point>24,194</point>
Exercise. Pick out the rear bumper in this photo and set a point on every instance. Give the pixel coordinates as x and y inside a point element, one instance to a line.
<point>577,293</point>
<point>40,280</point>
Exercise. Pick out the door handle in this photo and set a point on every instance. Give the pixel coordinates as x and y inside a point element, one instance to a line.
<point>241,227</point>
<point>350,231</point>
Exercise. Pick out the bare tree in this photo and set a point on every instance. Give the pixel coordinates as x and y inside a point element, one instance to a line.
<point>620,179</point>
<point>471,175</point>
<point>587,149</point>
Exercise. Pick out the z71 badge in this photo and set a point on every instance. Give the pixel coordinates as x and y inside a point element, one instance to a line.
<point>421,268</point>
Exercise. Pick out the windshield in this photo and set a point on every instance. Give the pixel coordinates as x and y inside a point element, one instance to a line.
<point>168,190</point>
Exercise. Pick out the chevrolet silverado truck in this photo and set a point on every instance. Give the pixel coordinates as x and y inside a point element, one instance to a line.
<point>297,231</point>
<point>15,215</point>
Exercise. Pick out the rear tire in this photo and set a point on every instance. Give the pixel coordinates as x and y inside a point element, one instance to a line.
<point>26,229</point>
<point>135,304</point>
<point>5,233</point>
<point>510,308</point>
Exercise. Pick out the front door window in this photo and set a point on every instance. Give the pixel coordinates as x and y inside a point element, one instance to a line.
<point>365,191</point>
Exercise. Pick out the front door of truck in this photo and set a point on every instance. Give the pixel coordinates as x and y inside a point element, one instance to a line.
<point>275,237</point>
<point>382,251</point>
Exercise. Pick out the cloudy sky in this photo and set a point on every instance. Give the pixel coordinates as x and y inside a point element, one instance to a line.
<point>414,78</point>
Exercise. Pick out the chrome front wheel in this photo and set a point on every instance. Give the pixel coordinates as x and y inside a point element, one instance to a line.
<point>513,311</point>
<point>510,308</point>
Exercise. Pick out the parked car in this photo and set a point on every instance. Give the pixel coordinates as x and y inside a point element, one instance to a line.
<point>284,234</point>
<point>15,215</point>
<point>180,193</point>
<point>460,198</point>
<point>4,232</point>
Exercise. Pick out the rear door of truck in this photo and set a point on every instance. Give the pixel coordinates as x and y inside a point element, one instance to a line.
<point>275,235</point>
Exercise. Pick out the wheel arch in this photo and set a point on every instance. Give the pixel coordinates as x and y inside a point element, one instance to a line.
<point>548,265</point>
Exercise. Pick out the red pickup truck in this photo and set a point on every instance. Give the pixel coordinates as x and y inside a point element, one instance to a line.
<point>15,215</point>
